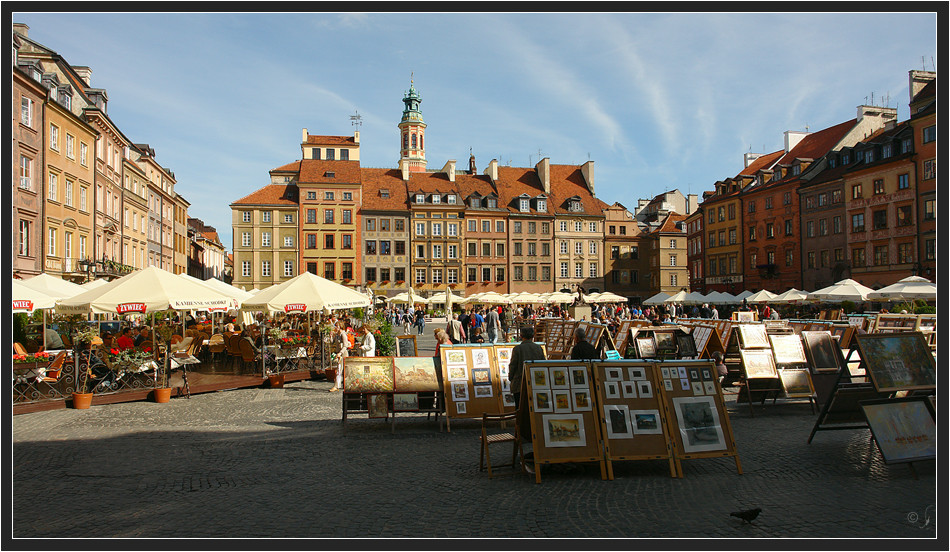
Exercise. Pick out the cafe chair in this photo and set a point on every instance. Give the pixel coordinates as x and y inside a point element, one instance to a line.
<point>54,369</point>
<point>19,349</point>
<point>494,431</point>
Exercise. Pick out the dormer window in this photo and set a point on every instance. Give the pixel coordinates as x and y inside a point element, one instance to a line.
<point>344,155</point>
<point>474,203</point>
<point>315,153</point>
<point>450,199</point>
<point>832,162</point>
<point>845,159</point>
<point>384,193</point>
<point>65,98</point>
<point>796,170</point>
<point>492,203</point>
<point>887,150</point>
<point>329,174</point>
<point>542,205</point>
<point>436,198</point>
<point>575,205</point>
<point>420,198</point>
<point>331,154</point>
<point>523,205</point>
<point>869,156</point>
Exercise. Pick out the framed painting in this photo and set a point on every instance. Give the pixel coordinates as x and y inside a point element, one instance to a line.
<point>415,374</point>
<point>709,387</point>
<point>564,430</point>
<point>904,429</point>
<point>457,372</point>
<point>613,373</point>
<point>459,391</point>
<point>668,384</point>
<point>685,346</point>
<point>617,418</point>
<point>539,377</point>
<point>753,336</point>
<point>636,372</point>
<point>745,316</point>
<point>699,427</point>
<point>820,349</point>
<point>898,361</point>
<point>562,400</point>
<point>405,402</point>
<point>542,401</point>
<point>797,383</point>
<point>503,354</point>
<point>483,391</point>
<point>367,374</point>
<point>481,377</point>
<point>628,389</point>
<point>664,341</point>
<point>685,385</point>
<point>612,389</point>
<point>758,363</point>
<point>645,347</point>
<point>456,356</point>
<point>698,388</point>
<point>644,389</point>
<point>788,349</point>
<point>664,371</point>
<point>406,346</point>
<point>480,358</point>
<point>560,377</point>
<point>508,399</point>
<point>579,377</point>
<point>461,408</point>
<point>646,422</point>
<point>378,405</point>
<point>581,400</point>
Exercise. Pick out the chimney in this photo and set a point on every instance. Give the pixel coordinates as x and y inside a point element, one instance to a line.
<point>356,137</point>
<point>471,164</point>
<point>748,158</point>
<point>449,169</point>
<point>84,73</point>
<point>587,169</point>
<point>792,138</point>
<point>692,202</point>
<point>918,80</point>
<point>22,29</point>
<point>404,167</point>
<point>303,138</point>
<point>492,170</point>
<point>543,168</point>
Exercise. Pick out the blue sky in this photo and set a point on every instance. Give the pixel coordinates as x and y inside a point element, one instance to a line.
<point>659,101</point>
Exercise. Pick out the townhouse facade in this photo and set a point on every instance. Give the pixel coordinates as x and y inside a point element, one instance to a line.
<point>923,120</point>
<point>29,122</point>
<point>624,266</point>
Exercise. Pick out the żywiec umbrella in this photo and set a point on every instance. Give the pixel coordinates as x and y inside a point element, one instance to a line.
<point>791,296</point>
<point>53,286</point>
<point>304,293</point>
<point>657,299</point>
<point>912,287</point>
<point>27,299</point>
<point>764,296</point>
<point>845,290</point>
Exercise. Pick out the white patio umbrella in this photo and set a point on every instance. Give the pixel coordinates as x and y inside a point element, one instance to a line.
<point>406,297</point>
<point>446,297</point>
<point>657,299</point>
<point>676,297</point>
<point>305,292</point>
<point>558,297</point>
<point>912,287</point>
<point>845,290</point>
<point>694,298</point>
<point>525,297</point>
<point>745,294</point>
<point>491,297</point>
<point>610,297</point>
<point>764,296</point>
<point>93,284</point>
<point>27,299</point>
<point>237,295</point>
<point>791,296</point>
<point>53,286</point>
<point>721,298</point>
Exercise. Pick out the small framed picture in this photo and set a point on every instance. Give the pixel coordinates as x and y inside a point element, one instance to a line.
<point>560,378</point>
<point>629,389</point>
<point>709,387</point>
<point>480,358</point>
<point>682,372</point>
<point>612,390</point>
<point>481,377</point>
<point>562,400</point>
<point>665,372</point>
<point>483,391</point>
<point>508,399</point>
<point>698,388</point>
<point>460,408</point>
<point>506,385</point>
<point>459,391</point>
<point>668,384</point>
<point>539,378</point>
<point>685,385</point>
<point>645,389</point>
<point>636,373</point>
<point>613,374</point>
<point>405,402</point>
<point>542,401</point>
<point>693,374</point>
<point>706,376</point>
<point>646,422</point>
<point>378,405</point>
<point>581,400</point>
<point>579,377</point>
<point>457,373</point>
<point>455,356</point>
<point>617,417</point>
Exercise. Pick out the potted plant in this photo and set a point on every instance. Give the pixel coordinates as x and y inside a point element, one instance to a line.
<point>163,391</point>
<point>83,338</point>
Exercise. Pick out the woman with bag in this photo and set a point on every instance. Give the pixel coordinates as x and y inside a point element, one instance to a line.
<point>338,346</point>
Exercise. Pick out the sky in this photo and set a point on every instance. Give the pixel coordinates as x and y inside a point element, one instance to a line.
<point>659,101</point>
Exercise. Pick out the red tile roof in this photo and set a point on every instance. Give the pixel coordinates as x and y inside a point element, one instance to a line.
<point>331,140</point>
<point>818,143</point>
<point>211,236</point>
<point>431,182</point>
<point>669,225</point>
<point>761,162</point>
<point>316,171</point>
<point>566,181</point>
<point>292,167</point>
<point>272,194</point>
<point>376,180</point>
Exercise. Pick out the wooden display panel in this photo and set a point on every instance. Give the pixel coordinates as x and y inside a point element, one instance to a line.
<point>562,431</point>
<point>760,379</point>
<point>406,346</point>
<point>622,338</point>
<point>633,420</point>
<point>471,382</point>
<point>502,354</point>
<point>702,334</point>
<point>898,361</point>
<point>699,425</point>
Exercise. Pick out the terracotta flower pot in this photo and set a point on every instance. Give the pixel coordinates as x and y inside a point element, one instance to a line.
<point>82,400</point>
<point>162,394</point>
<point>275,380</point>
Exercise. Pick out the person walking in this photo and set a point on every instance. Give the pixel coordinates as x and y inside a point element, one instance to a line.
<point>455,330</point>
<point>406,322</point>
<point>338,346</point>
<point>492,323</point>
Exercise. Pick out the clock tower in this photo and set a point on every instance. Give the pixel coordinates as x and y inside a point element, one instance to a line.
<point>412,132</point>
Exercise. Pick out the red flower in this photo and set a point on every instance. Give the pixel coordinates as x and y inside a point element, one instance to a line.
<point>114,351</point>
<point>147,350</point>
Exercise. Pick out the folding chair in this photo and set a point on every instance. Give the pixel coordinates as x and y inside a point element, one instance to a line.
<point>501,435</point>
<point>55,368</point>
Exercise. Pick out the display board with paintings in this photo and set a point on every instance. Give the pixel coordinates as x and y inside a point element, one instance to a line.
<point>559,343</point>
<point>417,387</point>
<point>760,379</point>
<point>706,339</point>
<point>823,353</point>
<point>644,345</point>
<point>753,336</point>
<point>384,386</point>
<point>502,355</point>
<point>905,429</point>
<point>788,350</point>
<point>565,425</point>
<point>406,346</point>
<point>633,420</point>
<point>475,379</point>
<point>699,424</point>
<point>744,316</point>
<point>685,346</point>
<point>622,338</point>
<point>898,361</point>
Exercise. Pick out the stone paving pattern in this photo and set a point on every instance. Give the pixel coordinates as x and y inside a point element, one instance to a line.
<point>280,463</point>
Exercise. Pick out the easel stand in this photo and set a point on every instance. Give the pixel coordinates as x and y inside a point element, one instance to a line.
<point>842,410</point>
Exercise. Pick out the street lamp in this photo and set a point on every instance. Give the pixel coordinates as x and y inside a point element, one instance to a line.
<point>86,265</point>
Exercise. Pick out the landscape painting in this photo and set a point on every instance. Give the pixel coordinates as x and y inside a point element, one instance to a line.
<point>898,361</point>
<point>367,374</point>
<point>416,374</point>
<point>563,430</point>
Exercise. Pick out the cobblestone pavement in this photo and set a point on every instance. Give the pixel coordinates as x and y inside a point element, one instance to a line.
<point>279,463</point>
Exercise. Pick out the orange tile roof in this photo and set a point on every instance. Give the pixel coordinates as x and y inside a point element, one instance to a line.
<point>272,194</point>
<point>211,236</point>
<point>316,171</point>
<point>331,140</point>
<point>293,167</point>
<point>430,182</point>
<point>818,143</point>
<point>375,180</point>
<point>566,181</point>
<point>469,184</point>
<point>669,225</point>
<point>761,162</point>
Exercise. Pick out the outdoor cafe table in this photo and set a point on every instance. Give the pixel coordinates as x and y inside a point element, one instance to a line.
<point>286,359</point>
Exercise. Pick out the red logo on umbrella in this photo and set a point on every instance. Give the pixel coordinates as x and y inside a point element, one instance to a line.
<point>23,304</point>
<point>130,307</point>
<point>295,307</point>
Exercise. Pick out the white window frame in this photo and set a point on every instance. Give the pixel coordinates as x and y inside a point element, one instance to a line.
<point>265,239</point>
<point>265,268</point>
<point>53,137</point>
<point>288,268</point>
<point>288,241</point>
<point>246,269</point>
<point>245,216</point>
<point>51,242</point>
<point>52,191</point>
<point>26,111</point>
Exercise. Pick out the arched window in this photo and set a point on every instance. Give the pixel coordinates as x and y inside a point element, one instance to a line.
<point>405,141</point>
<point>413,141</point>
<point>420,142</point>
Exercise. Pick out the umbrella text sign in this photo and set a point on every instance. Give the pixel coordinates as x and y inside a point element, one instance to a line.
<point>25,305</point>
<point>124,308</point>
